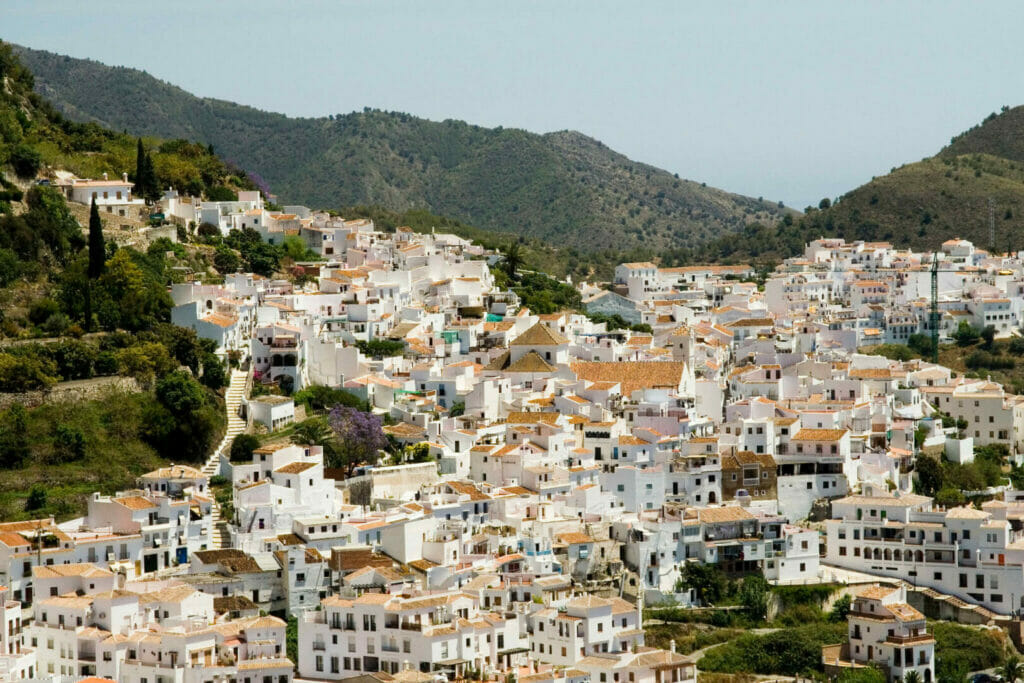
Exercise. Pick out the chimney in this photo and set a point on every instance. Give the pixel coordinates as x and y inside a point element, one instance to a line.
<point>104,176</point>
<point>124,177</point>
<point>672,646</point>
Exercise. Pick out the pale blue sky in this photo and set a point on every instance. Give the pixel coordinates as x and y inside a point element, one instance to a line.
<point>788,100</point>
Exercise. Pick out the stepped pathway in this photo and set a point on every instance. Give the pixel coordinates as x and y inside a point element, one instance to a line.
<point>236,425</point>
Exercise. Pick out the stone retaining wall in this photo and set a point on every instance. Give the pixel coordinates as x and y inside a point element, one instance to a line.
<point>75,390</point>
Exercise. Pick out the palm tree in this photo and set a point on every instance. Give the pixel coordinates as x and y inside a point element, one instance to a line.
<point>1012,669</point>
<point>513,259</point>
<point>316,432</point>
<point>912,676</point>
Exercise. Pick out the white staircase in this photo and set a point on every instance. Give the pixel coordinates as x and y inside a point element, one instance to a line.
<point>236,425</point>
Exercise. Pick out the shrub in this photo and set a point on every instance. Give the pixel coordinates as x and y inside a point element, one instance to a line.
<point>972,648</point>
<point>242,447</point>
<point>379,348</point>
<point>26,161</point>
<point>786,652</point>
<point>208,230</point>
<point>20,373</point>
<point>985,360</point>
<point>41,310</point>
<point>36,499</point>
<point>68,444</point>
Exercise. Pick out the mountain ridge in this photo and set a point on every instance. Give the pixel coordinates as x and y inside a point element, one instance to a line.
<point>563,186</point>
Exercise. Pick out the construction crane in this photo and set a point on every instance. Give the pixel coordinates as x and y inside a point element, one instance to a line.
<point>933,317</point>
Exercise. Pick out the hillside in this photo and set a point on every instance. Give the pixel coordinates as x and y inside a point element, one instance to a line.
<point>918,205</point>
<point>32,130</point>
<point>63,321</point>
<point>563,187</point>
<point>925,203</point>
<point>999,134</point>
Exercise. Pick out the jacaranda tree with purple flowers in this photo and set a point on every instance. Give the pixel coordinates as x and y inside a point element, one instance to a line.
<point>359,436</point>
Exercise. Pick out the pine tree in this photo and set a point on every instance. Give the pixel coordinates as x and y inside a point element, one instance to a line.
<point>97,249</point>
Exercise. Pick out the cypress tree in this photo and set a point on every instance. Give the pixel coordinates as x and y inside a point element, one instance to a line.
<point>145,175</point>
<point>152,188</point>
<point>140,167</point>
<point>97,249</point>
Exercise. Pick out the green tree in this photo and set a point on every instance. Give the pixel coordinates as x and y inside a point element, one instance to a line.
<point>68,444</point>
<point>214,375</point>
<point>912,677</point>
<point>36,499</point>
<point>25,160</point>
<point>949,496</point>
<point>319,397</point>
<point>180,394</point>
<point>1012,669</point>
<point>182,423</point>
<point>75,359</point>
<point>513,260</point>
<point>294,247</point>
<point>10,266</point>
<point>131,298</point>
<point>706,580</point>
<point>41,310</point>
<point>458,409</point>
<point>312,432</point>
<point>14,436</point>
<point>21,373</point>
<point>840,609</point>
<point>97,247</point>
<point>966,334</point>
<point>418,452</point>
<point>920,344</point>
<point>988,335</point>
<point>221,193</point>
<point>145,362</point>
<point>225,259</point>
<point>868,674</point>
<point>291,638</point>
<point>929,475</point>
<point>97,261</point>
<point>146,183</point>
<point>754,596</point>
<point>208,230</point>
<point>242,447</point>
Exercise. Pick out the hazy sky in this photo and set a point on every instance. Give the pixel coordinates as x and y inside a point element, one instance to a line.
<point>788,100</point>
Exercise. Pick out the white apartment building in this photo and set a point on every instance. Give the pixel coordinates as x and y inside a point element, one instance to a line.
<point>886,632</point>
<point>972,554</point>
<point>444,632</point>
<point>17,660</point>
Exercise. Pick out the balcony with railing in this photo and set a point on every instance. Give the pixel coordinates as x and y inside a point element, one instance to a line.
<point>910,639</point>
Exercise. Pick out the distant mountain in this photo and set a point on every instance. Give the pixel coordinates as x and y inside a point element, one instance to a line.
<point>563,187</point>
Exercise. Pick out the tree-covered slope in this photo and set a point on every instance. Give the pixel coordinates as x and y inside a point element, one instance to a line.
<point>34,135</point>
<point>978,176</point>
<point>1000,135</point>
<point>563,187</point>
<point>925,203</point>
